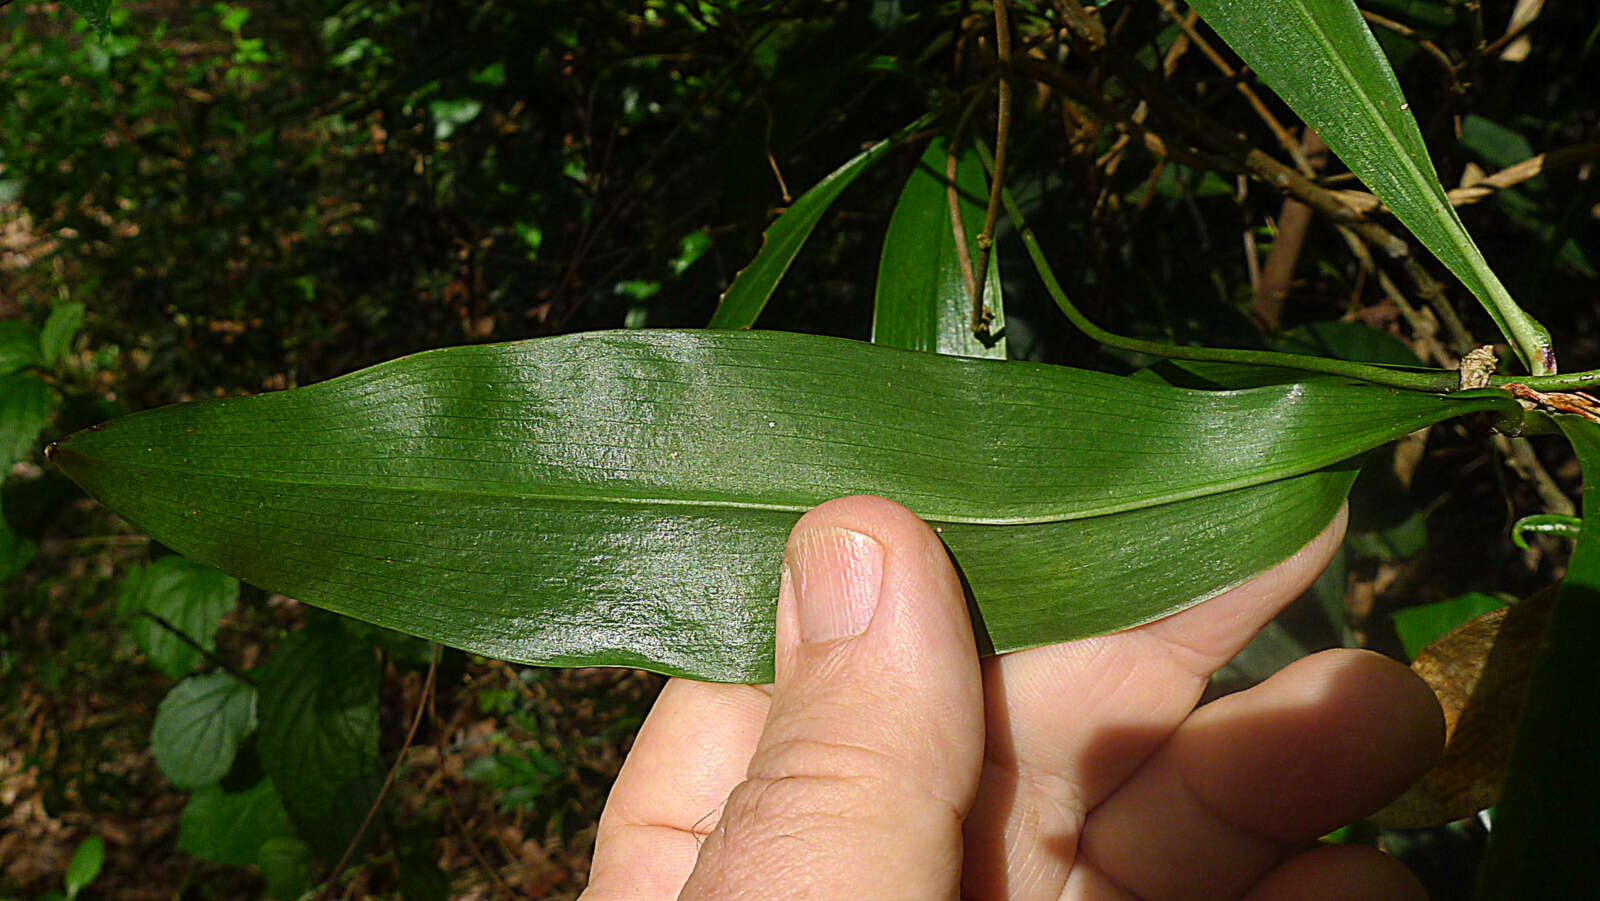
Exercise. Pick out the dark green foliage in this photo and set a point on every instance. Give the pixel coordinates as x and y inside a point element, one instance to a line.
<point>319,732</point>
<point>232,828</point>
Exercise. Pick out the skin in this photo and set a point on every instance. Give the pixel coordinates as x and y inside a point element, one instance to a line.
<point>888,761</point>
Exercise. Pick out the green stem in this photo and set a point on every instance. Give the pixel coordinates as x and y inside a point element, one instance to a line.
<point>1566,381</point>
<point>1432,381</point>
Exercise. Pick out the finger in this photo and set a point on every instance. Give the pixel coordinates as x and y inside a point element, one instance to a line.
<point>1069,723</point>
<point>1328,740</point>
<point>871,748</point>
<point>691,751</point>
<point>1339,873</point>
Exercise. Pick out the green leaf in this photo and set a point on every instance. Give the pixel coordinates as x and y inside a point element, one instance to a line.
<point>1547,823</point>
<point>1321,58</point>
<point>85,864</point>
<point>742,303</point>
<point>623,498</point>
<point>923,300</point>
<point>1419,626</point>
<point>96,12</point>
<point>19,346</point>
<point>56,337</point>
<point>231,828</point>
<point>25,405</point>
<point>189,597</point>
<point>199,727</point>
<point>1498,145</point>
<point>285,865</point>
<point>319,731</point>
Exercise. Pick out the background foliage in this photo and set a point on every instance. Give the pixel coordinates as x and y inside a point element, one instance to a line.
<point>209,199</point>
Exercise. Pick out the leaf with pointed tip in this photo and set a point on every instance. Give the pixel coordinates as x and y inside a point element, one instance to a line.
<point>1319,56</point>
<point>742,303</point>
<point>623,498</point>
<point>923,300</point>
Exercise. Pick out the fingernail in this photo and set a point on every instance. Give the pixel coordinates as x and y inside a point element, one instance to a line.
<point>836,575</point>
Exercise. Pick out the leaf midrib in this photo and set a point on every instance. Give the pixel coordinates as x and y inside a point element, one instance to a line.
<point>1256,478</point>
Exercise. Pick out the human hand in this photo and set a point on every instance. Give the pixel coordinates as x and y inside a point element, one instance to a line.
<point>888,762</point>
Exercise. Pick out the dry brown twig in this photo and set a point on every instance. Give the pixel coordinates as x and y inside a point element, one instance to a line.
<point>1365,204</point>
<point>1002,45</point>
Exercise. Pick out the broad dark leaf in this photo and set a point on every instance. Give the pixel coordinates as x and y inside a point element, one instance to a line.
<point>319,732</point>
<point>1547,825</point>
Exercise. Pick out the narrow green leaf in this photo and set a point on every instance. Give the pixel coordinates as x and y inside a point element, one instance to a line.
<point>319,732</point>
<point>231,828</point>
<point>199,727</point>
<point>186,596</point>
<point>923,299</point>
<point>1323,61</point>
<point>623,498</point>
<point>741,305</point>
<point>19,346</point>
<point>85,864</point>
<point>1547,824</point>
<point>55,339</point>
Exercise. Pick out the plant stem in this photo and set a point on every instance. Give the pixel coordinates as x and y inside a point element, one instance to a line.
<point>1433,381</point>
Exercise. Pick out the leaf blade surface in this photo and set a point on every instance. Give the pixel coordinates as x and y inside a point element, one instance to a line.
<point>623,498</point>
<point>923,301</point>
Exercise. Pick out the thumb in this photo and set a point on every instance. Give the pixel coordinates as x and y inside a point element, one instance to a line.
<point>871,750</point>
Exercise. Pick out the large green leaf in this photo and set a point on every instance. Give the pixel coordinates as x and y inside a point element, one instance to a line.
<point>319,731</point>
<point>742,303</point>
<point>1547,824</point>
<point>1321,58</point>
<point>624,497</point>
<point>923,301</point>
